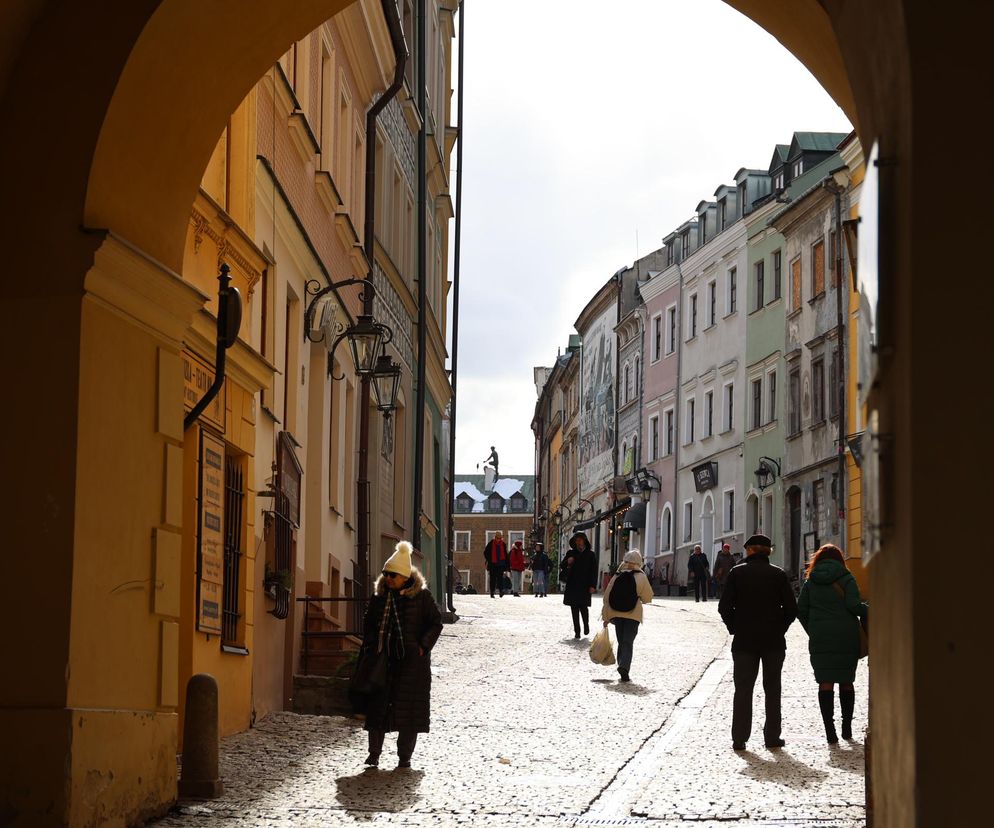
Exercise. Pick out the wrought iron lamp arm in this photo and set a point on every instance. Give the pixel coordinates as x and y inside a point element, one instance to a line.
<point>313,289</point>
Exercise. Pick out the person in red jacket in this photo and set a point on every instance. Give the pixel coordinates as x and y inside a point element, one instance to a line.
<point>518,565</point>
<point>497,557</point>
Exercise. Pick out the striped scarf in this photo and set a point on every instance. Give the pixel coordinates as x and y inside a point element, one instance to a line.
<point>391,639</point>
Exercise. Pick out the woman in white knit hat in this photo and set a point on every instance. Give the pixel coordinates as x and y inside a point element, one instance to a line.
<point>402,620</point>
<point>623,599</point>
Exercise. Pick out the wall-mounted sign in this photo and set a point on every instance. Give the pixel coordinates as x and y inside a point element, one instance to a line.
<point>198,376</point>
<point>288,473</point>
<point>705,475</point>
<point>629,461</point>
<point>210,536</point>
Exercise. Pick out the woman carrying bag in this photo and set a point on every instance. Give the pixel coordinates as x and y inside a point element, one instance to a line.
<point>401,626</point>
<point>624,596</point>
<point>830,609</point>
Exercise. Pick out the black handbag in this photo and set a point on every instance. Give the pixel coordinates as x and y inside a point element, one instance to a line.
<point>369,678</point>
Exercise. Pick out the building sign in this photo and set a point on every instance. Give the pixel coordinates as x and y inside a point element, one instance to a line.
<point>288,473</point>
<point>198,376</point>
<point>629,461</point>
<point>210,540</point>
<point>705,476</point>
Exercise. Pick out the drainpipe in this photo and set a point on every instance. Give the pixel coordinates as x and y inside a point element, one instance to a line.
<point>419,403</point>
<point>840,390</point>
<point>455,312</point>
<point>225,340</point>
<point>677,506</point>
<point>369,236</point>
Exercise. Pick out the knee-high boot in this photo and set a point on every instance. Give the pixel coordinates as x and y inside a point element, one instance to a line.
<point>407,740</point>
<point>826,701</point>
<point>375,746</point>
<point>847,701</point>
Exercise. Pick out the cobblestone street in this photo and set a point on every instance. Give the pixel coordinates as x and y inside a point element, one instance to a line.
<point>526,730</point>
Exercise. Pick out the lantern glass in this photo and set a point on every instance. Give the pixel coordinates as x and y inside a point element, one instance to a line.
<point>386,382</point>
<point>365,337</point>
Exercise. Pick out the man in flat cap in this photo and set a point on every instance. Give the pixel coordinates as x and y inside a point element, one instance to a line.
<point>757,606</point>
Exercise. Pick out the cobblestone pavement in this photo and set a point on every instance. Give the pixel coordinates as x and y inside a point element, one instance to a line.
<point>526,730</point>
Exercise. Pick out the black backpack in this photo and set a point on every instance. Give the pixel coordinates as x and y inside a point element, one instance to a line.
<point>624,592</point>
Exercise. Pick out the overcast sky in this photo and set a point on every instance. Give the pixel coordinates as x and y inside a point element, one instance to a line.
<point>587,124</point>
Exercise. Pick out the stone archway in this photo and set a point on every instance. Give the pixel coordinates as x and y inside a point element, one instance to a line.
<point>86,166</point>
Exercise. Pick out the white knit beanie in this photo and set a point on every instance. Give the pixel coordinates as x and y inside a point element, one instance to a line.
<point>634,558</point>
<point>400,560</point>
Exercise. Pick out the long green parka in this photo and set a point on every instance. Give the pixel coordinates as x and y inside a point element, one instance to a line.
<point>831,621</point>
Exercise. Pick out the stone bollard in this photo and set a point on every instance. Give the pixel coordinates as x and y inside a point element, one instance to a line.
<point>200,778</point>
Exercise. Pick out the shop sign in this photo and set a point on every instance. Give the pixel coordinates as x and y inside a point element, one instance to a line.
<point>210,540</point>
<point>705,476</point>
<point>198,376</point>
<point>289,472</point>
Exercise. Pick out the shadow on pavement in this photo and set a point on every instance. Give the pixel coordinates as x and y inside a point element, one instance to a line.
<point>577,643</point>
<point>849,757</point>
<point>630,689</point>
<point>376,791</point>
<point>780,768</point>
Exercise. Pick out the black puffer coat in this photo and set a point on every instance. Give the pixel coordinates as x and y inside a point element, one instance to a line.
<point>579,569</point>
<point>406,703</point>
<point>757,605</point>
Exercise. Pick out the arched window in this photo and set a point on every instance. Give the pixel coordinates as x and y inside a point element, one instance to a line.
<point>666,530</point>
<point>628,382</point>
<point>637,365</point>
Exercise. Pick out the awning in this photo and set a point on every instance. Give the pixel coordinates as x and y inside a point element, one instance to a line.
<point>618,507</point>
<point>635,517</point>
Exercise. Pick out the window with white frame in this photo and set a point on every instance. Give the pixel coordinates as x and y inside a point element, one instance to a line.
<point>692,314</point>
<point>688,520</point>
<point>491,533</point>
<point>464,575</point>
<point>688,422</point>
<point>728,510</point>
<point>657,336</point>
<point>668,435</point>
<point>653,438</point>
<point>731,294</point>
<point>771,396</point>
<point>671,329</point>
<point>760,268</point>
<point>515,535</point>
<point>709,414</point>
<point>628,382</point>
<point>712,302</point>
<point>728,407</point>
<point>818,390</point>
<point>794,412</point>
<point>757,404</point>
<point>777,274</point>
<point>462,541</point>
<point>666,530</point>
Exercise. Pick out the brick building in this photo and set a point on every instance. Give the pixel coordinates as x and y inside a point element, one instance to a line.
<point>478,515</point>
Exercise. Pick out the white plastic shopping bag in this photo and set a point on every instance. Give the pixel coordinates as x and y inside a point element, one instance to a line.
<point>601,651</point>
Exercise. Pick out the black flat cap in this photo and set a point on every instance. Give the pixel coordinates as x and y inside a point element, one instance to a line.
<point>759,540</point>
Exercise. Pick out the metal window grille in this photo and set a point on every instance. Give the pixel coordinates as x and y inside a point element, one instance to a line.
<point>234,507</point>
<point>282,528</point>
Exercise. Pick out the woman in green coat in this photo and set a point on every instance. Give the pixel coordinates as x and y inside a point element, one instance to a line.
<point>829,609</point>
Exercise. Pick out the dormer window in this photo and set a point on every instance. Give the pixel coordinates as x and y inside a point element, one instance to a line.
<point>778,181</point>
<point>464,503</point>
<point>669,255</point>
<point>798,168</point>
<point>685,243</point>
<point>702,228</point>
<point>743,203</point>
<point>495,503</point>
<point>722,215</point>
<point>518,502</point>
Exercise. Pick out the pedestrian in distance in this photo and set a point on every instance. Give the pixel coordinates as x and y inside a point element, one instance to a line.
<point>497,560</point>
<point>699,567</point>
<point>757,606</point>
<point>517,564</point>
<point>540,566</point>
<point>579,572</point>
<point>723,563</point>
<point>830,609</point>
<point>624,596</point>
<point>402,620</point>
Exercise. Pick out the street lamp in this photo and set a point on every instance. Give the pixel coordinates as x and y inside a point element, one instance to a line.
<point>386,381</point>
<point>646,482</point>
<point>365,337</point>
<point>765,475</point>
<point>579,509</point>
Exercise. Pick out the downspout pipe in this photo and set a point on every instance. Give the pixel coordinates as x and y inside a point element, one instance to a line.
<point>419,396</point>
<point>369,236</point>
<point>455,312</point>
<point>221,348</point>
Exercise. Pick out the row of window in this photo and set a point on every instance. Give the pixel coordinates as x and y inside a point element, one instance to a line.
<point>464,538</point>
<point>668,435</point>
<point>755,519</point>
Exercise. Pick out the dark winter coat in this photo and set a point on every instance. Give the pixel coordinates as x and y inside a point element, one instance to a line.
<point>579,569</point>
<point>698,565</point>
<point>758,605</point>
<point>406,703</point>
<point>831,620</point>
<point>503,556</point>
<point>541,562</point>
<point>723,564</point>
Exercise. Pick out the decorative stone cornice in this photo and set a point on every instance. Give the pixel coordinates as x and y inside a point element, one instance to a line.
<point>229,250</point>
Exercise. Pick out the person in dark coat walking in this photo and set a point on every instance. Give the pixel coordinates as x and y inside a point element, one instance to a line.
<point>830,609</point>
<point>699,567</point>
<point>498,559</point>
<point>758,606</point>
<point>540,566</point>
<point>723,563</point>
<point>403,620</point>
<point>579,571</point>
